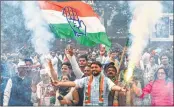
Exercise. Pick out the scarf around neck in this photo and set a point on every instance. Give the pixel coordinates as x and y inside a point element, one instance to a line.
<point>88,91</point>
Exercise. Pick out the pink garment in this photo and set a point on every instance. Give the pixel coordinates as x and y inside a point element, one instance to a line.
<point>161,92</point>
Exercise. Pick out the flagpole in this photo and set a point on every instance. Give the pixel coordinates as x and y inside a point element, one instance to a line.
<point>122,56</point>
<point>128,93</point>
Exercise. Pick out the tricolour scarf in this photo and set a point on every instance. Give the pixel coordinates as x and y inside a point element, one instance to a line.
<point>88,91</point>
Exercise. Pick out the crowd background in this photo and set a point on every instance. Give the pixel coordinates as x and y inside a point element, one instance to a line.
<point>151,60</point>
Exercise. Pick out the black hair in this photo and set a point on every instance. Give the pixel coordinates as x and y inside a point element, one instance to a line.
<point>66,75</point>
<point>113,50</point>
<point>28,59</point>
<point>72,77</point>
<point>165,70</point>
<point>111,66</point>
<point>67,64</point>
<point>97,63</point>
<point>84,56</point>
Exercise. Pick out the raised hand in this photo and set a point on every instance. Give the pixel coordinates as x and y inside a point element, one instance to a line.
<point>50,65</point>
<point>52,71</point>
<point>75,23</point>
<point>69,50</point>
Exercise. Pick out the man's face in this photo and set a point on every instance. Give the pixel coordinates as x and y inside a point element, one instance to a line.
<point>110,72</point>
<point>164,60</point>
<point>113,55</point>
<point>53,54</point>
<point>87,71</point>
<point>65,69</point>
<point>95,69</point>
<point>28,63</point>
<point>22,71</point>
<point>102,51</point>
<point>82,62</point>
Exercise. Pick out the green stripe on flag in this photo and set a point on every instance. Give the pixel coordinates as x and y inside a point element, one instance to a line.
<point>65,31</point>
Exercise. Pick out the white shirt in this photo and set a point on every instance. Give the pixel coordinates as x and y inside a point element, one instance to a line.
<point>76,69</point>
<point>101,59</point>
<point>145,58</point>
<point>7,92</point>
<point>60,57</point>
<point>108,84</point>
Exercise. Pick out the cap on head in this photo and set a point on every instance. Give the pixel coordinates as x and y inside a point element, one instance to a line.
<point>108,64</point>
<point>21,64</point>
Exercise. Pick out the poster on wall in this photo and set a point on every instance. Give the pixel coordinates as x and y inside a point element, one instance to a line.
<point>162,28</point>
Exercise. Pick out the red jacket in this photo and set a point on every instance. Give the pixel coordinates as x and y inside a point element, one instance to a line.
<point>161,92</point>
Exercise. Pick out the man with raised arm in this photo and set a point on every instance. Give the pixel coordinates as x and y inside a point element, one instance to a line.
<point>78,68</point>
<point>97,86</point>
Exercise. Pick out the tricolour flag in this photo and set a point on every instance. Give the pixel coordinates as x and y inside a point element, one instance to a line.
<point>75,19</point>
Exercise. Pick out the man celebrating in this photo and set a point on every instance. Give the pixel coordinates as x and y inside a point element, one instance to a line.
<point>97,86</point>
<point>165,63</point>
<point>19,89</point>
<point>78,68</point>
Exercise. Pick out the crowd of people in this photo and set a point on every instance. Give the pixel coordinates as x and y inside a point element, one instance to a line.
<point>95,77</point>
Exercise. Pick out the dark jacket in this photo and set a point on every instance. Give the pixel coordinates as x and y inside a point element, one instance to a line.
<point>20,92</point>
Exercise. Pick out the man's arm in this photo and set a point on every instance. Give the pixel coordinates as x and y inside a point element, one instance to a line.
<point>53,73</point>
<point>64,84</point>
<point>76,69</point>
<point>113,87</point>
<point>118,88</point>
<point>78,83</point>
<point>7,92</point>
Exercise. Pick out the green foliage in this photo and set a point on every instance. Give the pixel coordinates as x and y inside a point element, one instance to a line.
<point>120,23</point>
